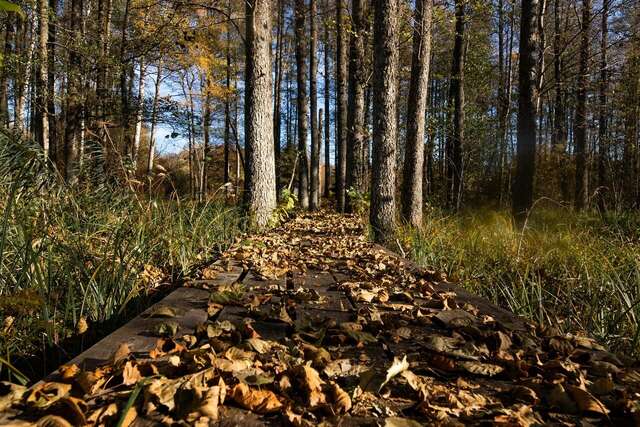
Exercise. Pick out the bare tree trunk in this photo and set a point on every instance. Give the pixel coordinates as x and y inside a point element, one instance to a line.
<point>51,82</point>
<point>9,36</point>
<point>206,122</point>
<point>341,106</point>
<point>582,180</point>
<point>139,114</point>
<point>303,103</point>
<point>385,87</point>
<point>154,118</point>
<point>23,79</point>
<point>277,99</point>
<point>455,139</point>
<point>603,123</point>
<point>42,133</point>
<point>260,180</point>
<point>73,114</point>
<point>327,100</point>
<point>526,151</point>
<point>559,113</point>
<point>356,108</point>
<point>314,182</point>
<point>227,110</point>
<point>414,157</point>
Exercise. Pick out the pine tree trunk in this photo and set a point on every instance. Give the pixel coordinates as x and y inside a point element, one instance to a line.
<point>526,150</point>
<point>227,112</point>
<point>73,102</point>
<point>277,100</point>
<point>385,87</point>
<point>260,180</point>
<point>341,106</point>
<point>303,104</point>
<point>414,156</point>
<point>154,117</point>
<point>327,100</point>
<point>356,108</point>
<point>582,181</point>
<point>139,114</point>
<point>455,139</point>
<point>42,131</point>
<point>206,122</point>
<point>314,182</point>
<point>603,123</point>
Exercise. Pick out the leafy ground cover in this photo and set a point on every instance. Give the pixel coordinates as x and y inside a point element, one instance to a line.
<point>77,260</point>
<point>572,272</point>
<point>326,328</point>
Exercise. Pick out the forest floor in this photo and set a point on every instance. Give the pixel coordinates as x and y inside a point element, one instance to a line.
<point>312,323</point>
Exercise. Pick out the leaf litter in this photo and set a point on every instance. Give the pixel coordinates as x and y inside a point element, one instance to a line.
<point>330,329</point>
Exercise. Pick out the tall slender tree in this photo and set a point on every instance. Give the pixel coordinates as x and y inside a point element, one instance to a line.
<point>385,88</point>
<point>341,105</point>
<point>327,100</point>
<point>314,182</point>
<point>42,116</point>
<point>412,202</point>
<point>260,180</point>
<point>582,179</point>
<point>302,103</point>
<point>455,139</point>
<point>603,122</point>
<point>526,151</point>
<point>356,171</point>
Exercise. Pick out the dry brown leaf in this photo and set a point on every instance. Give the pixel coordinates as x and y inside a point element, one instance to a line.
<point>258,401</point>
<point>44,394</point>
<point>129,417</point>
<point>396,367</point>
<point>68,372</point>
<point>9,394</point>
<point>586,402</point>
<point>130,373</point>
<point>121,353</point>
<point>52,421</point>
<point>105,415</point>
<point>479,368</point>
<point>308,381</point>
<point>340,399</point>
<point>90,381</point>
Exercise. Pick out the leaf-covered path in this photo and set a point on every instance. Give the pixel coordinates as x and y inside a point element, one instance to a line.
<point>319,325</point>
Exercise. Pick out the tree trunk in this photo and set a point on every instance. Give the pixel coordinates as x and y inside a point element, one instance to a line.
<point>277,101</point>
<point>314,193</point>
<point>526,151</point>
<point>341,106</point>
<point>603,123</point>
<point>385,87</point>
<point>414,156</point>
<point>327,100</point>
<point>582,180</point>
<point>559,113</point>
<point>73,115</point>
<point>227,112</point>
<point>51,82</point>
<point>9,36</point>
<point>139,114</point>
<point>260,180</point>
<point>303,104</point>
<point>154,118</point>
<point>206,122</point>
<point>356,108</point>
<point>42,131</point>
<point>455,139</point>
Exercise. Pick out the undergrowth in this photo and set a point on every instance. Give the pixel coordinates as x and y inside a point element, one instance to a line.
<point>576,272</point>
<point>77,255</point>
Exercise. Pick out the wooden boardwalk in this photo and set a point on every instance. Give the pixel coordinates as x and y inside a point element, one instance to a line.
<point>312,323</point>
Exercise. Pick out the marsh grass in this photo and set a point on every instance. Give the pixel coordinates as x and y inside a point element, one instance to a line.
<point>577,272</point>
<point>90,250</point>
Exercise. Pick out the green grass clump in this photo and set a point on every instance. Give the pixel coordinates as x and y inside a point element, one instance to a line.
<point>578,272</point>
<point>87,250</point>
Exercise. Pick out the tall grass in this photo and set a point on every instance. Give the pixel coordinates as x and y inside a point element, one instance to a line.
<point>574,272</point>
<point>90,250</point>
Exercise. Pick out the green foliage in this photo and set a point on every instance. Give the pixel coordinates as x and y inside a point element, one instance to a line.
<point>286,205</point>
<point>576,272</point>
<point>360,202</point>
<point>88,250</point>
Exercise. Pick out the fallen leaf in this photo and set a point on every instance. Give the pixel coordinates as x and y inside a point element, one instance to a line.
<point>340,399</point>
<point>479,368</point>
<point>121,353</point>
<point>400,422</point>
<point>396,367</point>
<point>130,373</point>
<point>52,421</point>
<point>586,402</point>
<point>308,381</point>
<point>44,394</point>
<point>259,401</point>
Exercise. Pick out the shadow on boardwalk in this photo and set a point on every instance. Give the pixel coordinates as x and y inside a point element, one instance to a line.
<point>311,323</point>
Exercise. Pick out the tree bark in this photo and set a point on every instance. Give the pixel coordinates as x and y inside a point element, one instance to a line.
<point>154,118</point>
<point>414,156</point>
<point>260,180</point>
<point>73,115</point>
<point>356,107</point>
<point>385,87</point>
<point>603,123</point>
<point>206,122</point>
<point>139,114</point>
<point>327,100</point>
<point>341,106</point>
<point>277,100</point>
<point>314,182</point>
<point>526,150</point>
<point>227,112</point>
<point>582,195</point>
<point>455,139</point>
<point>303,104</point>
<point>559,111</point>
<point>42,132</point>
<point>9,36</point>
